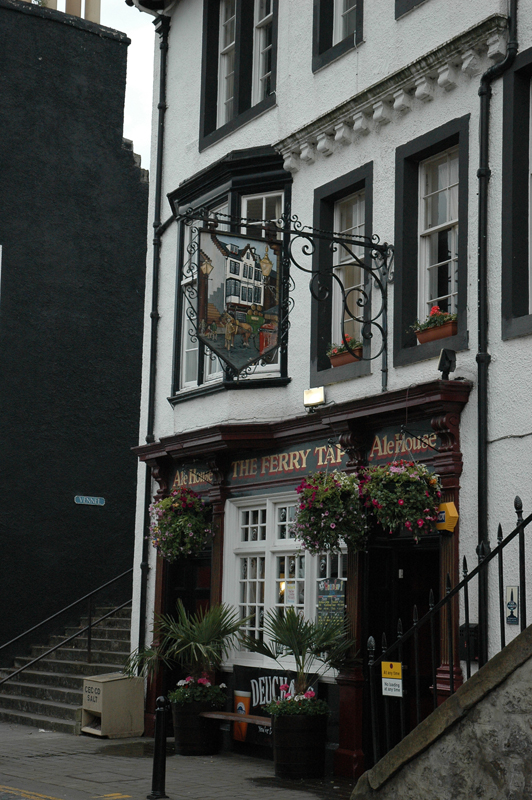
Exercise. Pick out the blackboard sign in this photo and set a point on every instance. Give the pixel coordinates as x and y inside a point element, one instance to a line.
<point>331,599</point>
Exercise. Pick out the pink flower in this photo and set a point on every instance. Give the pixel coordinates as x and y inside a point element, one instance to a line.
<point>420,523</point>
<point>309,694</point>
<point>204,681</point>
<point>190,679</point>
<point>408,525</point>
<point>287,696</point>
<point>284,687</point>
<point>401,501</point>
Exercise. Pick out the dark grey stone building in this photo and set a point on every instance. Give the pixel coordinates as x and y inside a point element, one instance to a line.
<point>73,210</point>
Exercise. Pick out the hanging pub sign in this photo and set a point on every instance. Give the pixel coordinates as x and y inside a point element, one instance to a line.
<point>238,297</point>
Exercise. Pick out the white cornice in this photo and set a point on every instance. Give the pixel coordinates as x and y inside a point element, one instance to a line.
<point>413,86</point>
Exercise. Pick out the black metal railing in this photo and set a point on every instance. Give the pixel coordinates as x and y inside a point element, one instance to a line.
<point>89,599</point>
<point>391,718</point>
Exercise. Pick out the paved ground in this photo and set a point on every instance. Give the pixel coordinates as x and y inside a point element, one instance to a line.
<point>39,765</point>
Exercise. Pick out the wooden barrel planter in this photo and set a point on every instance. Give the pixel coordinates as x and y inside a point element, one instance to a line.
<point>195,735</point>
<point>299,746</point>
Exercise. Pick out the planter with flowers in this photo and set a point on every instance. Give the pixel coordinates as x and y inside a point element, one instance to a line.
<point>196,735</point>
<point>197,643</point>
<point>299,718</point>
<point>403,494</point>
<point>180,524</point>
<point>329,512</point>
<point>438,325</point>
<point>339,354</point>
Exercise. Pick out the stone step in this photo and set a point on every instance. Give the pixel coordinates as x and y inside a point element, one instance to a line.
<point>69,667</point>
<point>102,632</point>
<point>45,723</point>
<point>49,694</point>
<point>79,654</point>
<point>97,643</point>
<point>41,708</point>
<point>38,691</point>
<point>51,679</point>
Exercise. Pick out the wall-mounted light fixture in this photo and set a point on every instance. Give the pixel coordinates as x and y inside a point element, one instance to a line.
<point>312,398</point>
<point>447,363</point>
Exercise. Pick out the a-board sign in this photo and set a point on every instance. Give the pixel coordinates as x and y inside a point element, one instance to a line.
<point>331,599</point>
<point>392,678</point>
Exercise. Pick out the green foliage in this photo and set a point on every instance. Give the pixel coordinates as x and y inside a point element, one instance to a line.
<point>200,690</point>
<point>329,512</point>
<point>435,319</point>
<point>300,704</point>
<point>315,646</point>
<point>180,524</point>
<point>402,494</point>
<point>336,349</point>
<point>197,643</point>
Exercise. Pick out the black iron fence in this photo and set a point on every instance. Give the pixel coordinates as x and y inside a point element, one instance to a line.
<point>407,677</point>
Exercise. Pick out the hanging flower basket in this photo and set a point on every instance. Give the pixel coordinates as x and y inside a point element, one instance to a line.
<point>330,512</point>
<point>180,524</point>
<point>403,494</point>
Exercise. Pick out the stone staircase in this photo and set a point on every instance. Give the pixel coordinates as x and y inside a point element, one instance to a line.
<point>49,694</point>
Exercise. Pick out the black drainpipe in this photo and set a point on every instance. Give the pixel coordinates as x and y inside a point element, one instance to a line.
<point>483,357</point>
<point>162,26</point>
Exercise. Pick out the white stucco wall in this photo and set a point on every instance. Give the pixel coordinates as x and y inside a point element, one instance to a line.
<point>303,97</point>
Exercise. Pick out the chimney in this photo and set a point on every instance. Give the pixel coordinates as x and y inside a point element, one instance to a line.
<point>92,8</point>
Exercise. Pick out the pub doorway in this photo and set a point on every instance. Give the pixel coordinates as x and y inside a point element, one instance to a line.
<point>399,575</point>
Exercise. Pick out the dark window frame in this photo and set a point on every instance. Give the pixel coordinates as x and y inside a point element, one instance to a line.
<point>404,6</point>
<point>325,198</point>
<point>243,110</point>
<point>323,50</point>
<point>408,157</point>
<point>515,235</point>
<point>240,172</point>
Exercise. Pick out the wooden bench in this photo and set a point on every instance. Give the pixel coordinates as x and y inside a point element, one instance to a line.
<point>230,716</point>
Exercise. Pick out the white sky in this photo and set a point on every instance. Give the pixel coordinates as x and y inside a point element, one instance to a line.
<point>140,29</point>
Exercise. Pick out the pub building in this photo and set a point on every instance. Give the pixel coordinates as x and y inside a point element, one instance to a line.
<point>249,473</point>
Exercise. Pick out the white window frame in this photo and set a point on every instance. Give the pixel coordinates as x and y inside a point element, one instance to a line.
<point>273,368</point>
<point>261,49</point>
<point>340,30</point>
<point>425,232</point>
<point>271,548</point>
<point>342,260</point>
<point>212,368</point>
<point>226,57</point>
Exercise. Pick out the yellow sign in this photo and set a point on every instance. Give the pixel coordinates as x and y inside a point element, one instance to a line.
<point>392,669</point>
<point>447,517</point>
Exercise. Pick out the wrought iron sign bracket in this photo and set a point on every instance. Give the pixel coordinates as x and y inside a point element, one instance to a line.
<point>236,280</point>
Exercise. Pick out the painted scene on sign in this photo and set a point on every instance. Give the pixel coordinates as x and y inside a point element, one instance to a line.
<point>238,297</point>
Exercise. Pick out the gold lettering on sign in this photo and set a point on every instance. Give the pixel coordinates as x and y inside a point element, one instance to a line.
<point>401,445</point>
<point>328,455</point>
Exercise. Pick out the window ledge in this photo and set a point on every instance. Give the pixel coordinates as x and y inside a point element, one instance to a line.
<point>237,122</point>
<point>404,6</point>
<point>321,60</point>
<point>347,372</point>
<point>423,352</point>
<point>516,326</point>
<point>207,389</point>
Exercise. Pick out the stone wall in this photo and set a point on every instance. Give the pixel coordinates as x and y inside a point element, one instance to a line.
<point>477,744</point>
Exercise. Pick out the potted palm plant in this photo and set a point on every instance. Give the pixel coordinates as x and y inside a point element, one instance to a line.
<point>299,718</point>
<point>197,644</point>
